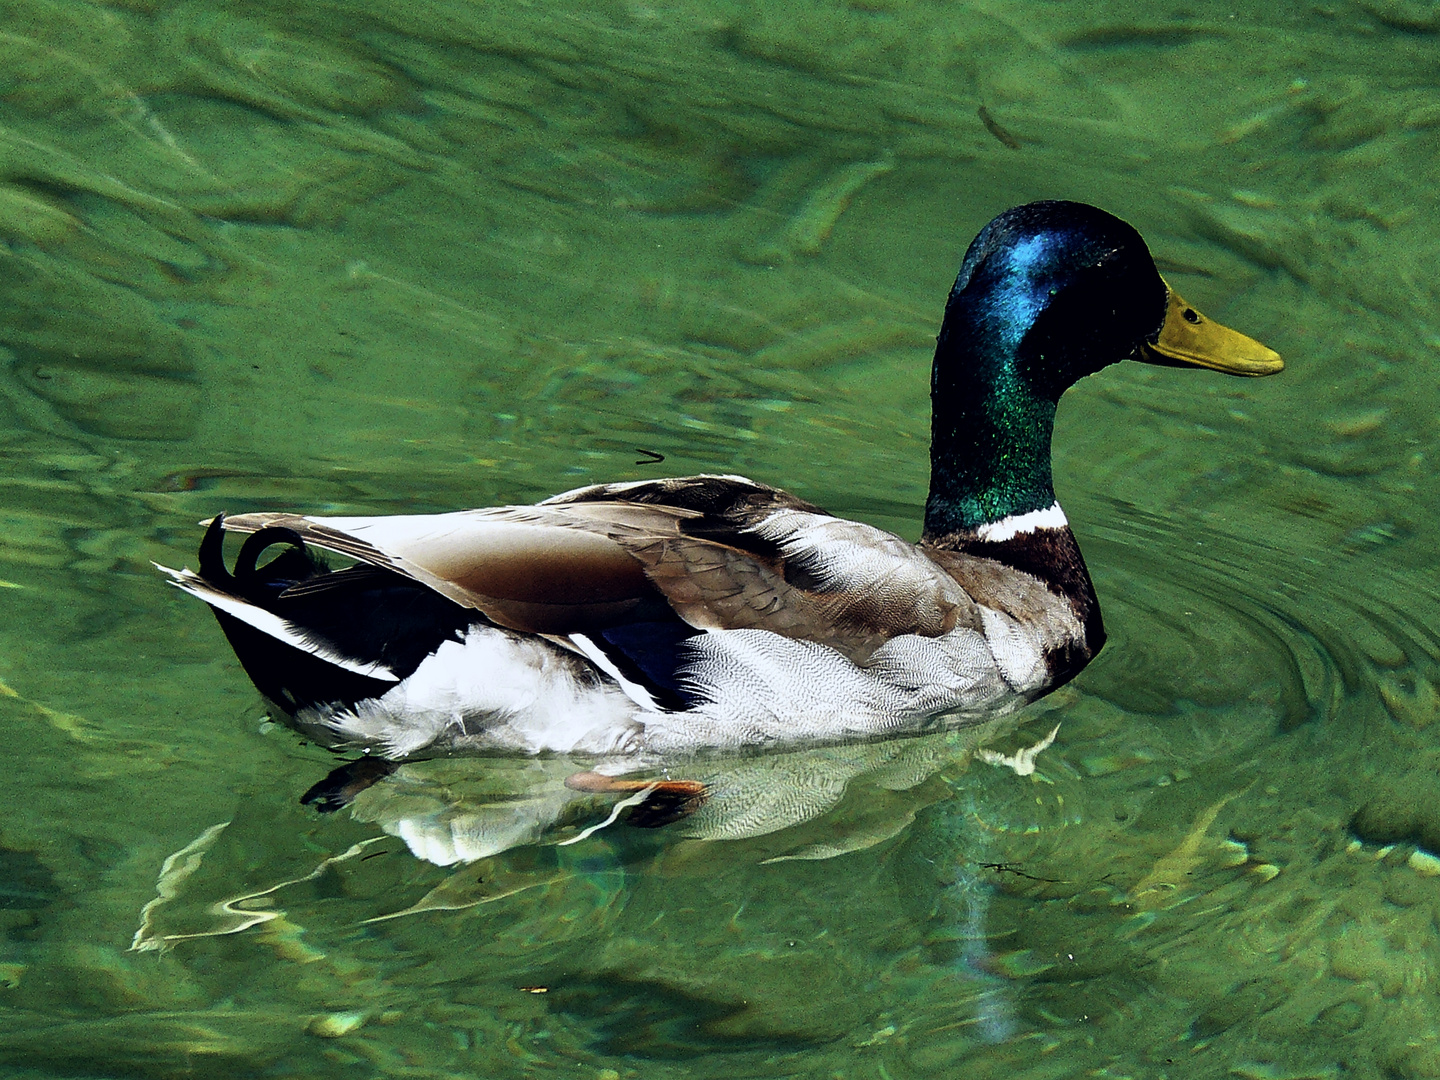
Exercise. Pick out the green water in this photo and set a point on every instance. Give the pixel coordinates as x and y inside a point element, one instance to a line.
<point>412,256</point>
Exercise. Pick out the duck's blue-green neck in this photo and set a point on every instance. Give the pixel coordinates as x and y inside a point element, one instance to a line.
<point>989,453</point>
<point>992,391</point>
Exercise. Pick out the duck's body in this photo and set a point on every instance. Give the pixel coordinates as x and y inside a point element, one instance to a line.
<point>660,616</point>
<point>702,612</point>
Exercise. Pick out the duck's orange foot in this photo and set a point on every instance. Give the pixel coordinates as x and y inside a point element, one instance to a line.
<point>668,800</point>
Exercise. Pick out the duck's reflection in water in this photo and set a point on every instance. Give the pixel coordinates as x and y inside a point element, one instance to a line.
<point>811,804</point>
<point>520,820</point>
<point>814,803</point>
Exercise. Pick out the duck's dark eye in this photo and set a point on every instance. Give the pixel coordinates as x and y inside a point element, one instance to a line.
<point>1191,315</point>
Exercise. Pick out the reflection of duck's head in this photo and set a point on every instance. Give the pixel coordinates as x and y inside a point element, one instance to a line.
<point>1048,293</point>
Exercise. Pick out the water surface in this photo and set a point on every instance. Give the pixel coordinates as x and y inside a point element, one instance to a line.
<point>408,257</point>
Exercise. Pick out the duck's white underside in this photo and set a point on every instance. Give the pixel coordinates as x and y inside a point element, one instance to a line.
<point>501,691</point>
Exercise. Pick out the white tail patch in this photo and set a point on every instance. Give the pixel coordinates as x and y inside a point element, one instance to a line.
<point>633,690</point>
<point>1007,528</point>
<point>269,623</point>
<point>494,690</point>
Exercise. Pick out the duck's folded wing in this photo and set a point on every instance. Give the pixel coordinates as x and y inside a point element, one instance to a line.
<point>722,553</point>
<point>746,555</point>
<point>522,567</point>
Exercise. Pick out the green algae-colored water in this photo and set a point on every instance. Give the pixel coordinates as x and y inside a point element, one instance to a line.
<point>412,256</point>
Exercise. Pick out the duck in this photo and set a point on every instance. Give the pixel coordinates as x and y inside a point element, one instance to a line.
<point>651,618</point>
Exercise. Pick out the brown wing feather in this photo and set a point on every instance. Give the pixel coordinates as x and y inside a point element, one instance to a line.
<point>606,554</point>
<point>726,572</point>
<point>713,587</point>
<point>524,571</point>
<point>729,497</point>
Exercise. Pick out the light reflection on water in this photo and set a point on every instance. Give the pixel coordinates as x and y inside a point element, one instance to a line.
<point>417,257</point>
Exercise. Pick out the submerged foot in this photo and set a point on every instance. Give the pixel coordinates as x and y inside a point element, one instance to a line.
<point>668,800</point>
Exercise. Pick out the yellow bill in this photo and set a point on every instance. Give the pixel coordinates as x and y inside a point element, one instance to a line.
<point>1189,338</point>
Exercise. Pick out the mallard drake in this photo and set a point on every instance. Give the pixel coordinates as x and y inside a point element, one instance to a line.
<point>715,612</point>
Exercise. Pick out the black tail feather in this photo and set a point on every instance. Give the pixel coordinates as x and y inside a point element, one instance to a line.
<point>256,543</point>
<point>369,614</point>
<point>212,555</point>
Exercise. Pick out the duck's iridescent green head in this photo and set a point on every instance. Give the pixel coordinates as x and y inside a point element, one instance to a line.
<point>1048,293</point>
